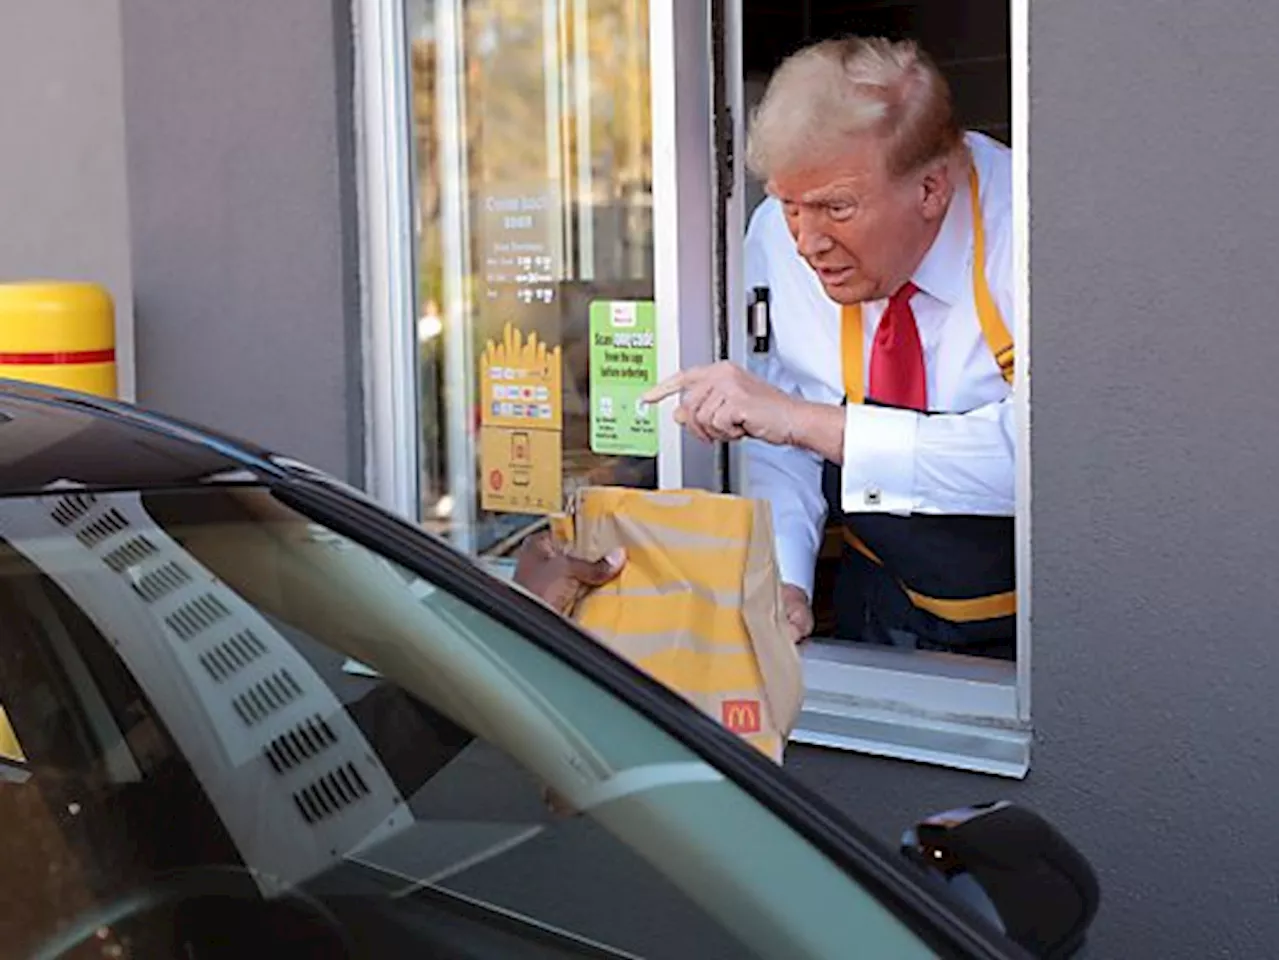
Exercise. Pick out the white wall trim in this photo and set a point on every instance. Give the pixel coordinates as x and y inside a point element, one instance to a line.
<point>736,214</point>
<point>1020,132</point>
<point>666,257</point>
<point>683,191</point>
<point>384,159</point>
<point>459,366</point>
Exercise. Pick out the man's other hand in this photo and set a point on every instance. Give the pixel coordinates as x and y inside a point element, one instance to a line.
<point>795,605</point>
<point>724,402</point>
<point>546,570</point>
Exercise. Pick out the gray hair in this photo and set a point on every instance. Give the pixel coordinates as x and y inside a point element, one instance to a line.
<point>827,93</point>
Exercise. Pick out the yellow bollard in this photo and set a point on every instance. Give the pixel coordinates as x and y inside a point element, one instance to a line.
<point>59,334</point>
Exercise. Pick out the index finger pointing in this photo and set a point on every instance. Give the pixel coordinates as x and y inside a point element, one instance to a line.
<point>668,387</point>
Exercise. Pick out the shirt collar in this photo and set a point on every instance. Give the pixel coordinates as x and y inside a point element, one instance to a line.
<point>944,271</point>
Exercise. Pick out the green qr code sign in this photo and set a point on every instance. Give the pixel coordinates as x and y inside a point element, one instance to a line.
<point>624,364</point>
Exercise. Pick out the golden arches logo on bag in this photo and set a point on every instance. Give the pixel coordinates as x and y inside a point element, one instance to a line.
<point>741,716</point>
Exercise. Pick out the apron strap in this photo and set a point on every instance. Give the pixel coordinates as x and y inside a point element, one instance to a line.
<point>851,353</point>
<point>999,342</point>
<point>965,610</point>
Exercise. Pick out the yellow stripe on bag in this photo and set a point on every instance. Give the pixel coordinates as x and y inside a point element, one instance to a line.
<point>561,526</point>
<point>768,743</point>
<point>710,569</point>
<point>662,615</point>
<point>695,673</point>
<point>668,508</point>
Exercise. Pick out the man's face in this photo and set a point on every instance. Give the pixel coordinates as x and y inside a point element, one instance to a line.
<point>861,230</point>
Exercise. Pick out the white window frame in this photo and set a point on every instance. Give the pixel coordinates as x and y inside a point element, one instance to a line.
<point>384,161</point>
<point>947,710</point>
<point>683,184</point>
<point>683,197</point>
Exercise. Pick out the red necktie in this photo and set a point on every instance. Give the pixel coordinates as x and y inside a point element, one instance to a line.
<point>897,359</point>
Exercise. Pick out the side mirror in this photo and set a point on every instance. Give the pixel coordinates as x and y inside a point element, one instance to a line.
<point>1013,867</point>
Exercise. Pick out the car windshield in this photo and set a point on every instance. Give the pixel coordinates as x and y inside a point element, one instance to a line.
<point>223,723</point>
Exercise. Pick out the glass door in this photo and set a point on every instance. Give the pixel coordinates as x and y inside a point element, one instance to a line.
<point>559,189</point>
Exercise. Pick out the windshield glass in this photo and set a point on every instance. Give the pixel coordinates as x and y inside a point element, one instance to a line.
<point>221,722</point>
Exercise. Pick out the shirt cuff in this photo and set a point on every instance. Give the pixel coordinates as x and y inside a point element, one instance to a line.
<point>796,561</point>
<point>879,474</point>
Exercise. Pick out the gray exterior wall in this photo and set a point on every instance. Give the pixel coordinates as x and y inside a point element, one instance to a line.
<point>1154,342</point>
<point>241,174</point>
<point>63,189</point>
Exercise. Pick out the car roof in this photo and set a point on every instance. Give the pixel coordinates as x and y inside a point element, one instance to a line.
<point>52,439</point>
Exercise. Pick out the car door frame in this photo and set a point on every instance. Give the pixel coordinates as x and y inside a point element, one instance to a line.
<point>947,927</point>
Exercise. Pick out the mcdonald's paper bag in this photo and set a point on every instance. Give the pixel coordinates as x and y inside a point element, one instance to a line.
<point>698,605</point>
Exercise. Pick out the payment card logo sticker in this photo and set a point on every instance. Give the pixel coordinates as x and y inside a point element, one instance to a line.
<point>521,444</point>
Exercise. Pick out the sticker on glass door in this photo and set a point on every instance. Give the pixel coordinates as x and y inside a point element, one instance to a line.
<point>624,364</point>
<point>521,425</point>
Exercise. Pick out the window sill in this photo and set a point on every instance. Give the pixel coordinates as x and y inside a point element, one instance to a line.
<point>942,709</point>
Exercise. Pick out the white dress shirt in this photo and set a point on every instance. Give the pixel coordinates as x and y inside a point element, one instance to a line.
<point>957,460</point>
